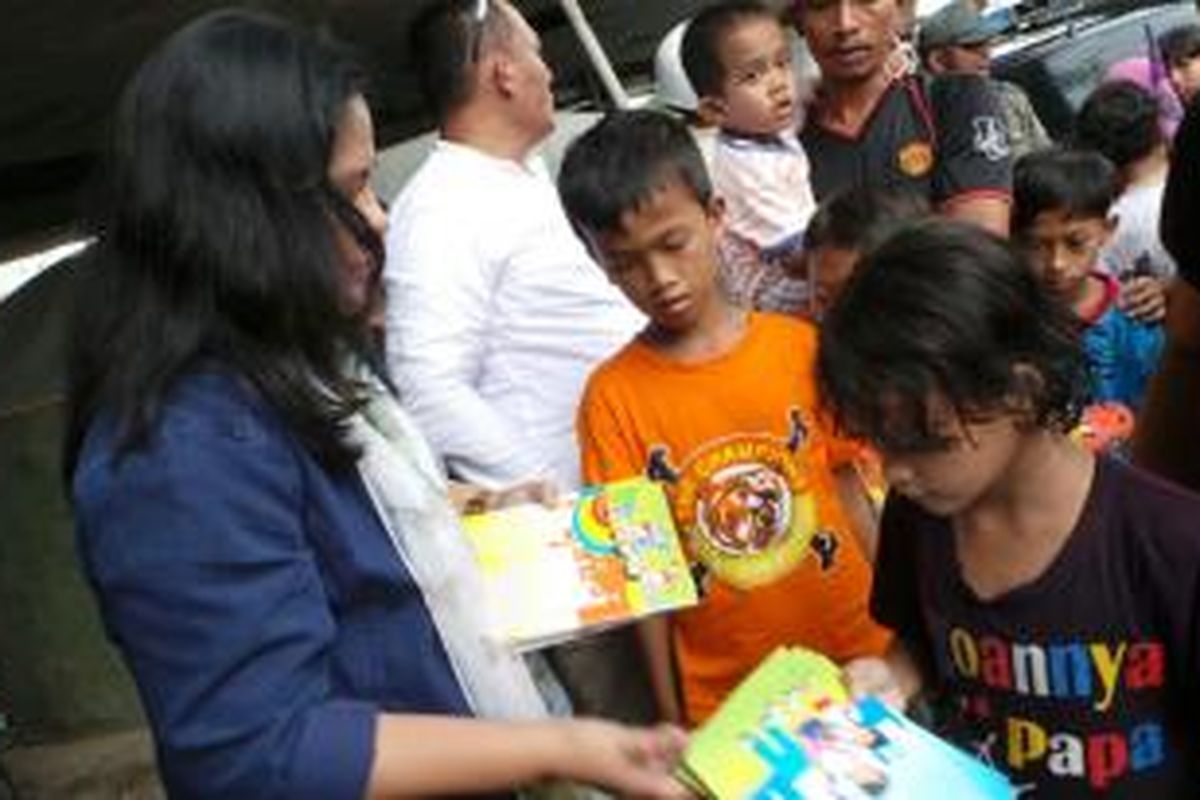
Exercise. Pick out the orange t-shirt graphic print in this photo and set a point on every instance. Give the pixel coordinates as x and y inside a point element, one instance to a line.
<point>747,506</point>
<point>747,465</point>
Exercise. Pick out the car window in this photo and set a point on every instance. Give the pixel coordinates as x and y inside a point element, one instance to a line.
<point>1059,74</point>
<point>59,90</point>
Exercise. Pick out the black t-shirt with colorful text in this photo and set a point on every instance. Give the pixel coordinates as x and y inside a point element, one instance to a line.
<point>1083,681</point>
<point>942,138</point>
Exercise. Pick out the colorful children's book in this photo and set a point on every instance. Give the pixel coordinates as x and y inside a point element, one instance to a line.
<point>606,556</point>
<point>790,731</point>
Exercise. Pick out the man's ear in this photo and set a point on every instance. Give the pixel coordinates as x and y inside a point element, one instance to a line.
<point>935,60</point>
<point>498,71</point>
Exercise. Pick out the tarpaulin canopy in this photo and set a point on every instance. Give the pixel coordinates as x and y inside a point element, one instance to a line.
<point>62,65</point>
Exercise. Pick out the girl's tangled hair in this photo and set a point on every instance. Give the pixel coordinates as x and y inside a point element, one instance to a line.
<point>946,309</point>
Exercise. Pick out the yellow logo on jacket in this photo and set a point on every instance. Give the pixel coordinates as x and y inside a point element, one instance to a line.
<point>915,159</point>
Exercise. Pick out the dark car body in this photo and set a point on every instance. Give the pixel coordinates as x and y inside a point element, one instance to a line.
<point>64,64</point>
<point>1060,64</point>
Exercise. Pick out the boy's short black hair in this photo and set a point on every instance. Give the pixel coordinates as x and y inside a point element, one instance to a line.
<point>1180,44</point>
<point>1119,120</point>
<point>944,308</point>
<point>701,47</point>
<point>1080,183</point>
<point>616,165</point>
<point>861,217</point>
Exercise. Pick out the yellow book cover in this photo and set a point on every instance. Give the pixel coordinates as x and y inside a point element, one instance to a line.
<point>603,557</point>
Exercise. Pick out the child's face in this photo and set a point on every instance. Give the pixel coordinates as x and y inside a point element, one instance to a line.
<point>1185,77</point>
<point>1065,249</point>
<point>664,256</point>
<point>758,94</point>
<point>969,460</point>
<point>830,268</point>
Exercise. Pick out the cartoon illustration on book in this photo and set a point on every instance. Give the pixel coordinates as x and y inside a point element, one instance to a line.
<point>606,556</point>
<point>791,732</point>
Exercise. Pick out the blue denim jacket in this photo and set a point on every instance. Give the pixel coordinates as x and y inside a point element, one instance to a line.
<point>256,598</point>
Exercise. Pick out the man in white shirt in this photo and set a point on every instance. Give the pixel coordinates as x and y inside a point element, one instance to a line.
<point>495,312</point>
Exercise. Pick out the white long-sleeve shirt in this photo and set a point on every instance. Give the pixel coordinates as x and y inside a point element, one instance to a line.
<point>764,181</point>
<point>495,316</point>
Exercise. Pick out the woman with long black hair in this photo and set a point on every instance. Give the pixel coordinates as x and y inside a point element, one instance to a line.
<point>270,539</point>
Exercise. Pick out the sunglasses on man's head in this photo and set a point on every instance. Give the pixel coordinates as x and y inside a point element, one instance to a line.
<point>475,31</point>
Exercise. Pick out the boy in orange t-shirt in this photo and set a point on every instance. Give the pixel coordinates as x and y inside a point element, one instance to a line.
<point>720,404</point>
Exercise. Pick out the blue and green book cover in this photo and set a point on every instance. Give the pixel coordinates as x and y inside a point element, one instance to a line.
<point>790,731</point>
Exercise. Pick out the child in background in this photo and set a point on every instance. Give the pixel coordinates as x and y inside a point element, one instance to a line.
<point>1119,120</point>
<point>1048,596</point>
<point>847,226</point>
<point>1149,73</point>
<point>720,404</point>
<point>739,61</point>
<point>1181,51</point>
<point>1061,217</point>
